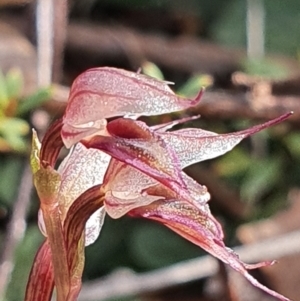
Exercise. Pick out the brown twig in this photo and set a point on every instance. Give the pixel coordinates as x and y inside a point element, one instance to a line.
<point>183,53</point>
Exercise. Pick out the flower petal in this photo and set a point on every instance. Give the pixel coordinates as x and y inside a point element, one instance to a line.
<point>101,93</point>
<point>195,145</point>
<point>128,188</point>
<point>147,153</point>
<point>93,226</point>
<point>81,169</point>
<point>51,144</point>
<point>78,214</point>
<point>41,279</point>
<point>201,230</point>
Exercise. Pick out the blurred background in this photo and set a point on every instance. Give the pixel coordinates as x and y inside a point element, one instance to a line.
<point>246,54</point>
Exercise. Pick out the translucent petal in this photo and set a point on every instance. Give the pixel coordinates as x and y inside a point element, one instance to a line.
<point>101,93</point>
<point>82,169</point>
<point>93,226</point>
<point>127,188</point>
<point>151,156</point>
<point>200,229</point>
<point>118,204</point>
<point>41,223</point>
<point>167,126</point>
<point>195,145</point>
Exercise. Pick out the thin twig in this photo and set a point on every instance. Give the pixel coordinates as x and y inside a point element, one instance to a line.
<point>127,283</point>
<point>44,31</point>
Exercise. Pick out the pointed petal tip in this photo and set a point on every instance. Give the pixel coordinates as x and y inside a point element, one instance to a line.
<point>257,284</point>
<point>198,97</point>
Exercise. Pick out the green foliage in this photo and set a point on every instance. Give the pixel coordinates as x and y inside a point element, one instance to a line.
<point>13,110</point>
<point>152,70</point>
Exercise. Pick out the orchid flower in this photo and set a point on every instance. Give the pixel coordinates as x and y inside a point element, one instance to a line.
<point>122,167</point>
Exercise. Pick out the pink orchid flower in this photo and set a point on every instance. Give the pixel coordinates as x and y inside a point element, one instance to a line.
<point>122,167</point>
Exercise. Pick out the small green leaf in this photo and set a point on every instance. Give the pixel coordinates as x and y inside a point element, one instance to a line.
<point>33,101</point>
<point>152,70</point>
<point>13,130</point>
<point>194,84</point>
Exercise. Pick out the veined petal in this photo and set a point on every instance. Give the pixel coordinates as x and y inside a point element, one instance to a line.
<point>78,214</point>
<point>82,169</point>
<point>101,93</point>
<point>93,226</point>
<point>145,144</point>
<point>80,211</point>
<point>195,145</point>
<point>143,150</point>
<point>127,188</point>
<point>118,203</point>
<point>167,126</point>
<point>51,144</point>
<point>201,230</point>
<point>41,279</point>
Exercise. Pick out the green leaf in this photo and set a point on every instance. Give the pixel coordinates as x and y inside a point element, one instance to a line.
<point>194,84</point>
<point>13,130</point>
<point>33,101</point>
<point>152,70</point>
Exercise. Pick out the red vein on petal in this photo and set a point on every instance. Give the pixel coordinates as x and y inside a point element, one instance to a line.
<point>41,278</point>
<point>78,214</point>
<point>51,144</point>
